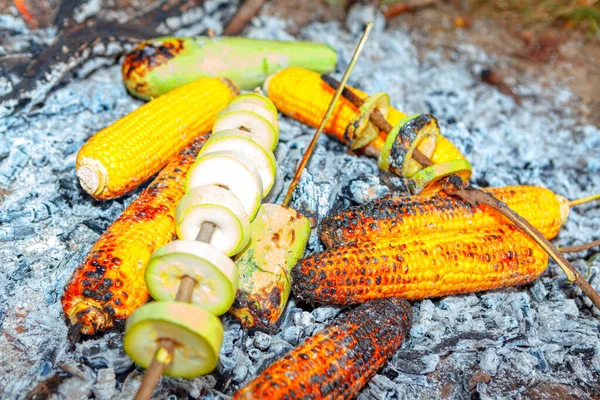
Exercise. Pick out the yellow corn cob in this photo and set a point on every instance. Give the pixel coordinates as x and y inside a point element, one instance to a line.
<point>445,151</point>
<point>302,95</point>
<point>418,214</point>
<point>122,156</point>
<point>418,267</point>
<point>109,284</point>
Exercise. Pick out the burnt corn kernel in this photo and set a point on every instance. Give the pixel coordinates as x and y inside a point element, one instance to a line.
<point>109,285</point>
<point>420,214</point>
<point>422,266</point>
<point>339,360</point>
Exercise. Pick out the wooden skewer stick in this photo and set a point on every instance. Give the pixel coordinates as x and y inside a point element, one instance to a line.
<point>166,347</point>
<point>581,247</point>
<point>584,200</point>
<point>313,142</point>
<point>454,185</point>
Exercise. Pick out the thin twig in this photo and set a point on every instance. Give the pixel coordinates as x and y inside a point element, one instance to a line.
<point>245,13</point>
<point>581,247</point>
<point>338,92</point>
<point>584,200</point>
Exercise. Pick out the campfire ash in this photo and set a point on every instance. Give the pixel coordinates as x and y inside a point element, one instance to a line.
<point>538,341</point>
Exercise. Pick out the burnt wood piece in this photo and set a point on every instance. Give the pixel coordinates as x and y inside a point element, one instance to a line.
<point>78,43</point>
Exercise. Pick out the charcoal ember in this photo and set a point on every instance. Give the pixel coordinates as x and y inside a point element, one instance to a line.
<point>380,387</point>
<point>105,386</point>
<point>254,353</point>
<point>240,374</point>
<point>542,362</point>
<point>131,385</point>
<point>107,353</point>
<point>303,319</point>
<point>17,232</point>
<point>489,361</point>
<point>226,365</point>
<point>325,314</point>
<point>364,189</point>
<point>13,164</point>
<point>293,334</point>
<point>580,371</point>
<point>262,341</point>
<point>415,361</point>
<point>538,291</point>
<point>232,337</point>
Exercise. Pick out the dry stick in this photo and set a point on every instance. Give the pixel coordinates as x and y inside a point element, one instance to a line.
<point>338,92</point>
<point>166,346</point>
<point>245,13</point>
<point>581,247</point>
<point>454,185</point>
<point>584,200</point>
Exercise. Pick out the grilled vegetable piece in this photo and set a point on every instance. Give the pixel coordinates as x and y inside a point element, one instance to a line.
<point>252,122</point>
<point>278,238</point>
<point>428,179</point>
<point>197,332</point>
<point>417,267</point>
<point>360,130</point>
<point>211,203</point>
<point>246,144</point>
<point>160,65</point>
<point>122,156</point>
<point>109,284</point>
<point>302,95</point>
<point>339,360</point>
<point>256,103</point>
<point>416,131</point>
<point>231,171</point>
<point>215,274</point>
<point>418,214</point>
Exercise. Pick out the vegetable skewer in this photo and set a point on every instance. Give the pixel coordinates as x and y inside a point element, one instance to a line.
<point>166,347</point>
<point>454,185</point>
<point>163,356</point>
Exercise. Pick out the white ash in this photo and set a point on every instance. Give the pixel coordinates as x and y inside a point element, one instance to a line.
<point>514,343</point>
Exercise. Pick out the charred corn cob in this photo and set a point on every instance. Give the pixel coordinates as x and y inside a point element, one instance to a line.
<point>417,267</point>
<point>109,284</point>
<point>302,95</point>
<point>336,362</point>
<point>419,214</point>
<point>122,156</point>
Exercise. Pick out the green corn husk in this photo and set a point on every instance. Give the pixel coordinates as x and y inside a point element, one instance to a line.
<point>159,65</point>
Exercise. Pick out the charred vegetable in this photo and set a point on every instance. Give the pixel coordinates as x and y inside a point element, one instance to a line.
<point>302,95</point>
<point>278,238</point>
<point>418,214</point>
<point>160,65</point>
<point>338,361</point>
<point>122,156</point>
<point>417,267</point>
<point>109,284</point>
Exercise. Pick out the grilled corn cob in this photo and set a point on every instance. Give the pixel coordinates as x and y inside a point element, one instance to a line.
<point>122,156</point>
<point>336,362</point>
<point>417,267</point>
<point>302,95</point>
<point>109,284</point>
<point>419,214</point>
